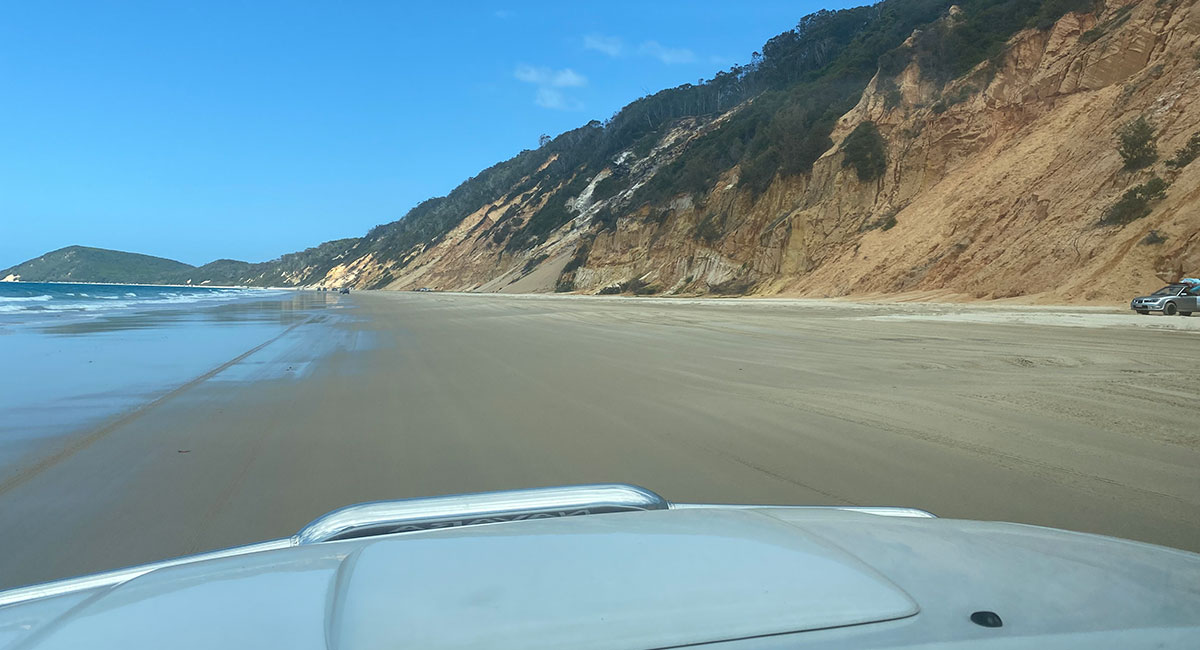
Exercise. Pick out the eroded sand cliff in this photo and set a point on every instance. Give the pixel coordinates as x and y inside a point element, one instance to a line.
<point>994,188</point>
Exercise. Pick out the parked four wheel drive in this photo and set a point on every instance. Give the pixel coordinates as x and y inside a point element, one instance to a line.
<point>1170,300</point>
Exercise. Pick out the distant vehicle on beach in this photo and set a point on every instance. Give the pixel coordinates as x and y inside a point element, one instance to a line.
<point>618,566</point>
<point>1180,298</point>
<point>345,290</point>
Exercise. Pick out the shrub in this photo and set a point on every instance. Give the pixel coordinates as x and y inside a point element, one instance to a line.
<point>608,188</point>
<point>757,173</point>
<point>580,256</point>
<point>1051,10</point>
<point>708,231</point>
<point>645,145</point>
<point>1186,153</point>
<point>959,96</point>
<point>1153,238</point>
<point>503,231</point>
<point>383,281</point>
<point>1091,35</point>
<point>606,217</point>
<point>1135,202</point>
<point>609,290</point>
<point>564,286</point>
<point>892,99</point>
<point>532,263</point>
<point>883,222</point>
<point>632,286</point>
<point>1118,19</point>
<point>1136,143</point>
<point>732,287</point>
<point>864,149</point>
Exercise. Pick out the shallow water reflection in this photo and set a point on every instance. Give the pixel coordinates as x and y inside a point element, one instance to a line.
<point>286,310</point>
<point>62,377</point>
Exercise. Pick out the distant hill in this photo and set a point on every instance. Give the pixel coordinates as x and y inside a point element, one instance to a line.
<point>305,267</point>
<point>85,264</point>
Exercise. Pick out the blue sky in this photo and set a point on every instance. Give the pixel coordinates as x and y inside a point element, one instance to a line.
<point>201,130</point>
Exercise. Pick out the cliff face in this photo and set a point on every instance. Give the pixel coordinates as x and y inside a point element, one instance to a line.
<point>994,187</point>
<point>1000,195</point>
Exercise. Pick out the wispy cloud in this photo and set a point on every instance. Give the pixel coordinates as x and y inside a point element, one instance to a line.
<point>668,55</point>
<point>615,46</point>
<point>554,99</point>
<point>503,14</point>
<point>610,45</point>
<point>549,83</point>
<point>544,76</point>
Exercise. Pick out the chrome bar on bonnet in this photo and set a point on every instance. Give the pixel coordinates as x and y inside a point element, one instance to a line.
<point>410,515</point>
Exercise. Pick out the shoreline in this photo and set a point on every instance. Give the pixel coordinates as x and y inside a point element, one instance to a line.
<point>173,286</point>
<point>929,297</point>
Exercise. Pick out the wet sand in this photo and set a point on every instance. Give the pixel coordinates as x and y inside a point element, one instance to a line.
<point>69,372</point>
<point>1081,419</point>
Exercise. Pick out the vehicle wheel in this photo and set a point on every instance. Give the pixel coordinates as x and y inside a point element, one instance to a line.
<point>1143,311</point>
<point>1170,309</point>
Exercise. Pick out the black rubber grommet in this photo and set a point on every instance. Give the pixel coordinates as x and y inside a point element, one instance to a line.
<point>987,619</point>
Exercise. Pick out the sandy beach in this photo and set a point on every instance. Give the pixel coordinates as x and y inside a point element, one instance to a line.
<point>1079,418</point>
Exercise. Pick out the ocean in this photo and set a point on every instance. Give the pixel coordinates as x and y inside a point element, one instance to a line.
<point>34,302</point>
<point>75,356</point>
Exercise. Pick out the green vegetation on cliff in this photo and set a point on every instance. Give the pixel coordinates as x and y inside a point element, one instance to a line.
<point>1135,203</point>
<point>865,151</point>
<point>1136,143</point>
<point>807,77</point>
